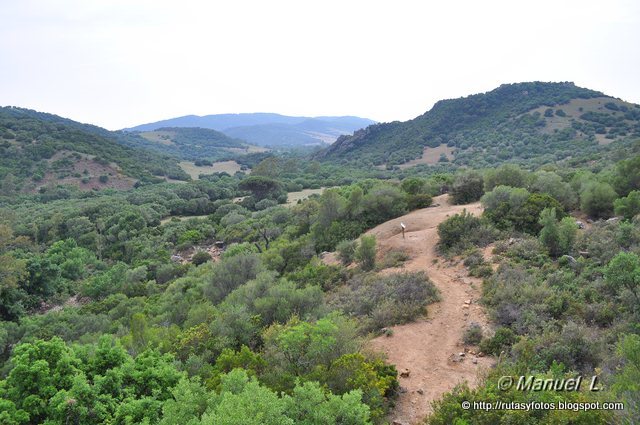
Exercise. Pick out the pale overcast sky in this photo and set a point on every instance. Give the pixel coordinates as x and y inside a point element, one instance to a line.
<point>118,63</point>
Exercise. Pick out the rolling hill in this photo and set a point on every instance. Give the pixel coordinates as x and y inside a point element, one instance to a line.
<point>529,123</point>
<point>266,129</point>
<point>191,143</point>
<point>38,149</point>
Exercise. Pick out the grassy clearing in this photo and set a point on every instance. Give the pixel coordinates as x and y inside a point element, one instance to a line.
<point>181,218</point>
<point>230,167</point>
<point>294,197</point>
<point>430,156</point>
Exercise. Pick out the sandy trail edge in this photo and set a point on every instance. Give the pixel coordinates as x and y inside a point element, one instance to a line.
<point>426,347</point>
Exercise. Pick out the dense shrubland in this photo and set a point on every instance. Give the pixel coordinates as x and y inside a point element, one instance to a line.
<point>29,140</point>
<point>117,307</point>
<point>503,125</point>
<point>564,300</point>
<point>102,322</point>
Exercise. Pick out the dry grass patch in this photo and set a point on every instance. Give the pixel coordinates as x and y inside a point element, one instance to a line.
<point>430,156</point>
<point>230,167</point>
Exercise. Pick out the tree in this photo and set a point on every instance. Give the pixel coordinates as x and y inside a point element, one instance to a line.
<point>421,200</point>
<point>353,208</point>
<point>263,188</point>
<point>309,404</point>
<point>190,401</point>
<point>299,348</point>
<point>505,175</point>
<point>596,199</point>
<point>332,207</point>
<point>413,185</point>
<point>558,237</point>
<point>623,272</point>
<point>383,203</point>
<point>552,184</point>
<point>627,176</point>
<point>467,187</point>
<point>518,209</point>
<point>268,167</point>
<point>12,270</point>
<point>8,185</point>
<point>366,252</point>
<point>230,273</point>
<point>347,251</point>
<point>629,206</point>
<point>41,369</point>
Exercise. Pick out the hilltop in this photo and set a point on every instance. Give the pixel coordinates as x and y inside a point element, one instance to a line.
<point>267,129</point>
<point>531,123</point>
<point>39,149</point>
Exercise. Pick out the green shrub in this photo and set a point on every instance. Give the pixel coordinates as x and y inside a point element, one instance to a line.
<point>467,187</point>
<point>230,273</point>
<point>347,251</point>
<point>394,258</point>
<point>365,253</point>
<point>505,175</point>
<point>200,257</point>
<point>478,267</point>
<point>420,200</point>
<point>558,237</point>
<point>629,206</point>
<point>626,177</point>
<point>502,340</point>
<point>514,208</point>
<point>596,199</point>
<point>623,273</point>
<point>473,334</point>
<point>552,184</point>
<point>449,409</point>
<point>455,230</point>
<point>383,301</point>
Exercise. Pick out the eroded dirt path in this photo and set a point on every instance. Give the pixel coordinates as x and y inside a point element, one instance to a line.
<point>429,348</point>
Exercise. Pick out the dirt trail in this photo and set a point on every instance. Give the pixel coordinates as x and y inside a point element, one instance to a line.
<point>429,348</point>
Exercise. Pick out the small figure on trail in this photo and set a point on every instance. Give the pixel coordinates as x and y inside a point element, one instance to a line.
<point>403,227</point>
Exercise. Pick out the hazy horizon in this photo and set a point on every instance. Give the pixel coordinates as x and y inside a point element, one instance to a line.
<point>120,64</point>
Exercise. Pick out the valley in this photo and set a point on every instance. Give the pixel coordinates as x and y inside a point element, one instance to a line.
<point>171,273</point>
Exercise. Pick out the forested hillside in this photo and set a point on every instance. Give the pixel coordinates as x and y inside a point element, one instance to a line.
<point>190,143</point>
<point>39,149</point>
<point>526,123</point>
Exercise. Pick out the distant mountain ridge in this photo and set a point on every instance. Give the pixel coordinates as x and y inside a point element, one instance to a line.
<point>268,129</point>
<point>530,123</point>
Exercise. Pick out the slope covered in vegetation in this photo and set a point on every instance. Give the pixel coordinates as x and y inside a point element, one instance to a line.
<point>527,123</point>
<point>38,148</point>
